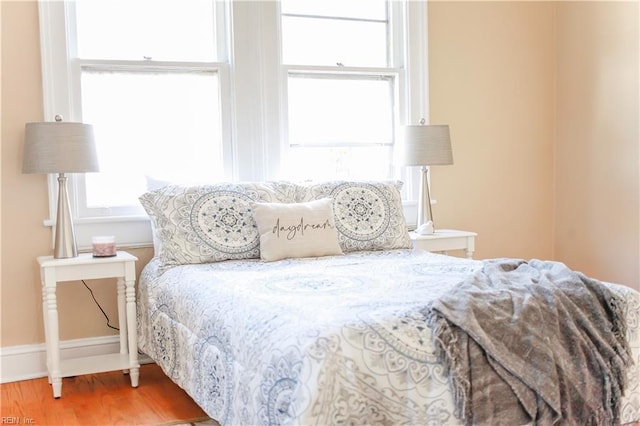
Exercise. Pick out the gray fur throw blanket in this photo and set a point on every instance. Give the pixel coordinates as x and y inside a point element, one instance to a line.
<point>532,343</point>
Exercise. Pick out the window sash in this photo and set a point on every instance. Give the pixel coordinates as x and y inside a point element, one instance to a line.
<point>158,126</point>
<point>309,49</point>
<point>155,41</point>
<point>360,9</point>
<point>321,119</point>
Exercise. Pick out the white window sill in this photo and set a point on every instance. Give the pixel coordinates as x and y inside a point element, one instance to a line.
<point>129,232</point>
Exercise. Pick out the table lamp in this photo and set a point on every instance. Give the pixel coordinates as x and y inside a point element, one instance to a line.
<point>60,147</point>
<point>424,146</point>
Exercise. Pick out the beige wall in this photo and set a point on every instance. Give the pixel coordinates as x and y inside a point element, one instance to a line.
<point>491,68</point>
<point>597,177</point>
<point>542,99</point>
<point>492,79</point>
<point>24,198</point>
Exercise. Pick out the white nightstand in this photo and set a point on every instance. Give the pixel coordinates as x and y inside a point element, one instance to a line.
<point>87,267</point>
<point>445,239</point>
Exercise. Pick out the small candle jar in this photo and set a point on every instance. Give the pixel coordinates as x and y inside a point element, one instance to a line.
<point>104,246</point>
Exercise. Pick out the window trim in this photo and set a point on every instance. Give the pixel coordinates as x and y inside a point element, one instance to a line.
<point>255,143</point>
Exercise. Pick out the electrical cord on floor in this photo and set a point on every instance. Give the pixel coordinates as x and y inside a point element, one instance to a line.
<point>100,307</point>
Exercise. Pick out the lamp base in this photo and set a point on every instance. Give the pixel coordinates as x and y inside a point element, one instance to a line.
<point>425,229</point>
<point>65,240</point>
<point>424,222</point>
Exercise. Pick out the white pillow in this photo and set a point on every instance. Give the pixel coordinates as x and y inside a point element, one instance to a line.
<point>368,214</point>
<point>290,230</point>
<point>208,223</point>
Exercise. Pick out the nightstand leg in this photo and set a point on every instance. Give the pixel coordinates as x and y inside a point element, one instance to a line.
<point>45,315</point>
<point>471,246</point>
<point>52,339</point>
<point>57,387</point>
<point>134,374</point>
<point>122,318</point>
<point>134,369</point>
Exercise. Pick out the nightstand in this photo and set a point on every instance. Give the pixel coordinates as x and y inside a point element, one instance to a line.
<point>86,267</point>
<point>443,240</point>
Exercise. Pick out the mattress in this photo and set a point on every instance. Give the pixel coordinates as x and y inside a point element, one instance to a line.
<point>331,340</point>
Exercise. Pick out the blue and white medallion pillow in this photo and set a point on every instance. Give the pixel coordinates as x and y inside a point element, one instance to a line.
<point>209,223</point>
<point>368,214</point>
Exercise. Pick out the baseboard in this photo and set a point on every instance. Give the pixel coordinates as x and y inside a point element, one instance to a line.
<point>30,361</point>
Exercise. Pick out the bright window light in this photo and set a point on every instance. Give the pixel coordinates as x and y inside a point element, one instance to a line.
<point>169,30</point>
<point>340,110</point>
<point>151,127</point>
<point>308,41</point>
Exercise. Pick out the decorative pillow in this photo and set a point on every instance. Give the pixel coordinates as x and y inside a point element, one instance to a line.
<point>368,214</point>
<point>296,230</point>
<point>208,223</point>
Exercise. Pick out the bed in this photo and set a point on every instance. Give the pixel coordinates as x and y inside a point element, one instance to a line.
<point>338,331</point>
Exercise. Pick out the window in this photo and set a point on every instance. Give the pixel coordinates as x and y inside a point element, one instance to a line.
<point>206,90</point>
<point>140,137</point>
<point>152,95</point>
<point>353,33</point>
<point>347,131</point>
<point>341,88</point>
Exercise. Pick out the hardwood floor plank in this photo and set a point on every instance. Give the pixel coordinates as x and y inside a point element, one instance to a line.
<point>99,399</point>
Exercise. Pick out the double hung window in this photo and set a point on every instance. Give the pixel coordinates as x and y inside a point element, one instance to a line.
<point>343,74</point>
<point>208,91</point>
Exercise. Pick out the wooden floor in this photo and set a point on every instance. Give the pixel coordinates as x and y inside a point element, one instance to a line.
<point>98,399</point>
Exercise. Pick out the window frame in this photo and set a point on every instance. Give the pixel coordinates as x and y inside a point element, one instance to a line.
<point>253,83</point>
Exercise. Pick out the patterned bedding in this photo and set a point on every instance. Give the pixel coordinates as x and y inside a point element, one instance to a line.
<point>331,340</point>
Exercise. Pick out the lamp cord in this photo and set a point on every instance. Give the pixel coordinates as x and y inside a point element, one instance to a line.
<point>100,307</point>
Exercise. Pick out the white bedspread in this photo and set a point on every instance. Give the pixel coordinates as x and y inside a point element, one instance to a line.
<point>331,340</point>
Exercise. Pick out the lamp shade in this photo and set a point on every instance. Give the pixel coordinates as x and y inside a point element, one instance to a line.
<point>60,147</point>
<point>426,145</point>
